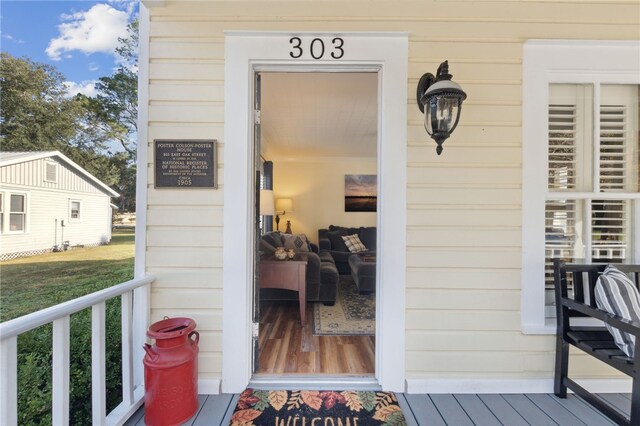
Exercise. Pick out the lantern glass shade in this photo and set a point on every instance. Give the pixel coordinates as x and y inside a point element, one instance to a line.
<point>442,106</point>
<point>441,115</point>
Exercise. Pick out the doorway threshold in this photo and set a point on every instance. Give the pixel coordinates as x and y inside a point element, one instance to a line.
<point>314,382</point>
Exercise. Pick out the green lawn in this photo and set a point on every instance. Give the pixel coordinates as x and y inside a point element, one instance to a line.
<point>33,283</point>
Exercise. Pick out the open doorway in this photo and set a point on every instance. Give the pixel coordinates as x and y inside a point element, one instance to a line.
<point>318,146</point>
<point>385,53</point>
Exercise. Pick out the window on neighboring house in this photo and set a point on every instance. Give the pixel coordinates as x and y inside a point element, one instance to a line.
<point>50,171</point>
<point>74,210</point>
<point>18,213</point>
<point>580,163</point>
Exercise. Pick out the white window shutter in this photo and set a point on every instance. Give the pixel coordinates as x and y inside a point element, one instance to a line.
<point>618,164</point>
<point>610,221</point>
<point>562,147</point>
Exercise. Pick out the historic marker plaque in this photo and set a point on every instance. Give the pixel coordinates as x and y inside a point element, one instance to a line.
<point>185,163</point>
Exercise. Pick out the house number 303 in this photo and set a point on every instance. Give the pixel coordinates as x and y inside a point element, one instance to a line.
<point>316,48</point>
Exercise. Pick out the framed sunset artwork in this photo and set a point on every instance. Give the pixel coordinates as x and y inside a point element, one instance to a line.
<point>360,193</point>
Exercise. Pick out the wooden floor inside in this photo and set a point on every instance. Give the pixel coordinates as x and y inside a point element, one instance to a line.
<point>287,347</point>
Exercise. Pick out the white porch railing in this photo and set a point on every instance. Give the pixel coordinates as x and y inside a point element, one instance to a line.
<point>134,296</point>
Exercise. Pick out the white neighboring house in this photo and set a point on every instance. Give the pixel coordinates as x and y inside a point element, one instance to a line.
<point>48,203</point>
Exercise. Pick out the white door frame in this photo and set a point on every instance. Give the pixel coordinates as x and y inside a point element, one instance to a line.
<point>244,53</point>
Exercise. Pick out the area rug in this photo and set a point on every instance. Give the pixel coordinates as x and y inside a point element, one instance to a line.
<point>317,408</point>
<point>353,313</point>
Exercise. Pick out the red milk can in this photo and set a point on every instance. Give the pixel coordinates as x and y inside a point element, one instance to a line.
<point>171,372</point>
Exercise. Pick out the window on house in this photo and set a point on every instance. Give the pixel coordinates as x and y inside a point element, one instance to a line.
<point>592,173</point>
<point>18,213</point>
<point>74,210</point>
<point>50,171</point>
<point>580,163</point>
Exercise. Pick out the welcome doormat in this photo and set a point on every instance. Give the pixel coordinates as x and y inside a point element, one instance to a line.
<point>317,408</point>
<point>352,314</point>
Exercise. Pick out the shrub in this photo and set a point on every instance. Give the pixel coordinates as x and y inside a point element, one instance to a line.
<point>35,368</point>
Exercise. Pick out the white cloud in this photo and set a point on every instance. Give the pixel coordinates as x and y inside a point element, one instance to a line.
<point>93,66</point>
<point>12,38</point>
<point>128,5</point>
<point>91,31</point>
<point>87,88</point>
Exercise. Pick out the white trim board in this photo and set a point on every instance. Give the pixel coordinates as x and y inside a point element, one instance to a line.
<point>244,53</point>
<point>142,295</point>
<point>453,386</point>
<point>208,386</point>
<point>315,382</point>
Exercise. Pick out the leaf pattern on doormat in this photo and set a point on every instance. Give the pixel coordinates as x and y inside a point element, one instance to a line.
<point>294,401</point>
<point>312,399</point>
<point>331,399</point>
<point>259,407</point>
<point>352,400</point>
<point>277,399</point>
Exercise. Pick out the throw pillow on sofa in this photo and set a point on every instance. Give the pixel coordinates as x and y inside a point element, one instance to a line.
<point>616,294</point>
<point>298,242</point>
<point>337,243</point>
<point>274,239</point>
<point>353,243</point>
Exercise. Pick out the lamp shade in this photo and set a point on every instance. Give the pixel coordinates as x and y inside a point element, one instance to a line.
<point>284,205</point>
<point>266,203</point>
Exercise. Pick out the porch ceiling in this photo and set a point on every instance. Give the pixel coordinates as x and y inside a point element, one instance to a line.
<point>311,115</point>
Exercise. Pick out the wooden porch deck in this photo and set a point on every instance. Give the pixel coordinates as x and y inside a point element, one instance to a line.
<point>450,410</point>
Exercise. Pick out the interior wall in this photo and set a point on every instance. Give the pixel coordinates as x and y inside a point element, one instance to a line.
<point>317,191</point>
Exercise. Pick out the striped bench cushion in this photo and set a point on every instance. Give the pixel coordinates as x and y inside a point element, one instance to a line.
<point>616,294</point>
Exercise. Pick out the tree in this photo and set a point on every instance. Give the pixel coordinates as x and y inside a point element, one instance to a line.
<point>116,105</point>
<point>36,114</point>
<point>126,185</point>
<point>112,116</point>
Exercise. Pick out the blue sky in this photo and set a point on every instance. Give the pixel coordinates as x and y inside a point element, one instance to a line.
<point>76,37</point>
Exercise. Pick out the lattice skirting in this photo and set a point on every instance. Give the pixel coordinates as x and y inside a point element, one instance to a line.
<point>36,252</point>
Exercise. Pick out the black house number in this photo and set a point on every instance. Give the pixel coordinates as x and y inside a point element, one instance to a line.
<point>316,48</point>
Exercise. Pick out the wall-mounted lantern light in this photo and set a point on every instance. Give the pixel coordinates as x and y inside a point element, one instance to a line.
<point>440,99</point>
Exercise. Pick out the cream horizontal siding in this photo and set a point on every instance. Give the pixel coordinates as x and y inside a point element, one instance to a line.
<point>184,227</point>
<point>192,92</point>
<point>463,207</point>
<point>465,278</point>
<point>498,341</point>
<point>445,299</point>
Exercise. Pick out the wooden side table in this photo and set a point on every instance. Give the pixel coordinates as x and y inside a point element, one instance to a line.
<point>288,275</point>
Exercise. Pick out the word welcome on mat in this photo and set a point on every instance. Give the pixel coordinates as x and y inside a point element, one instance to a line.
<point>317,408</point>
